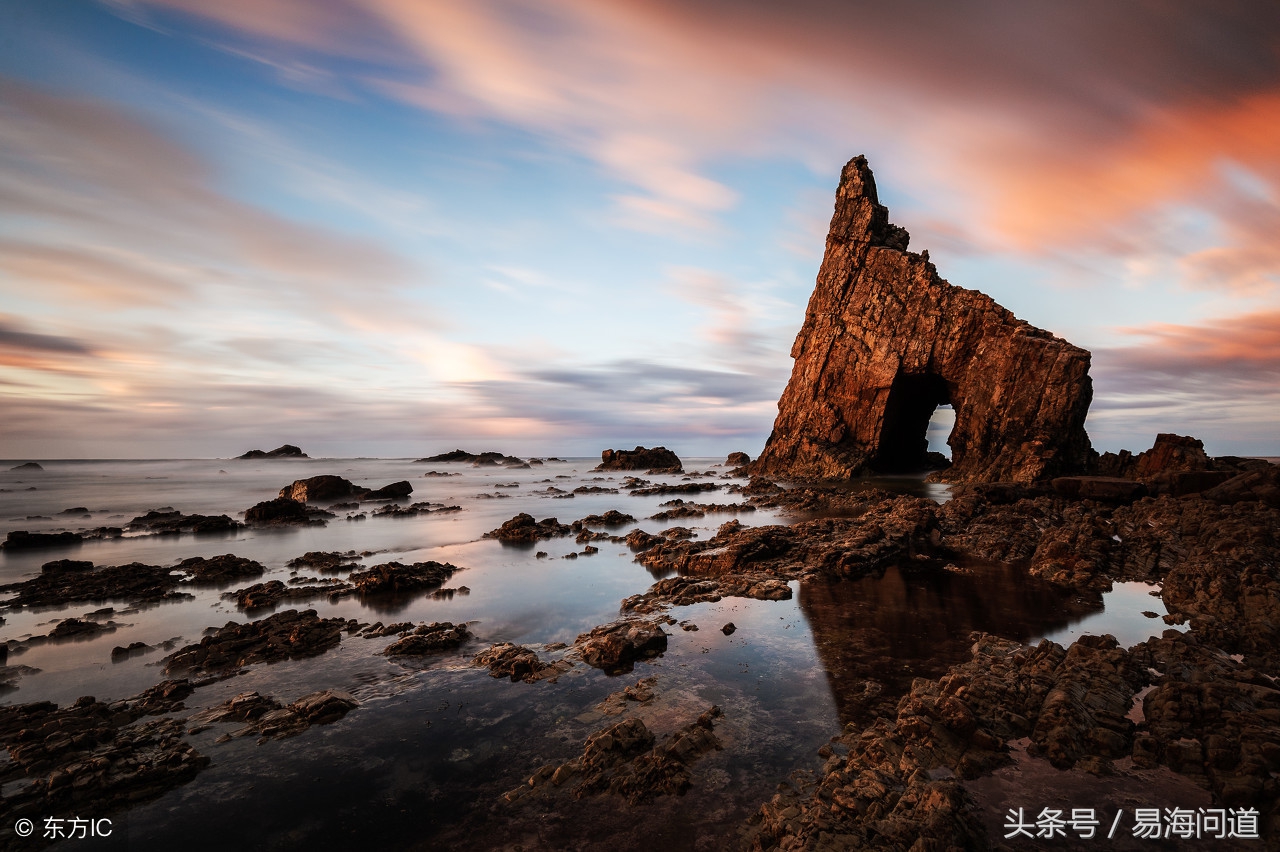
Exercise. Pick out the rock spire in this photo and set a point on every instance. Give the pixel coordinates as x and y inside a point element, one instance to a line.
<point>885,341</point>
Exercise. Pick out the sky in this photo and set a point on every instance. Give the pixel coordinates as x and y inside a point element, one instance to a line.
<point>397,227</point>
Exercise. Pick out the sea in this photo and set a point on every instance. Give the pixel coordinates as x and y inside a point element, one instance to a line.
<point>424,760</point>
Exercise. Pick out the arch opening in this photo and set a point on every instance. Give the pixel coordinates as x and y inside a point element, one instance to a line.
<point>904,435</point>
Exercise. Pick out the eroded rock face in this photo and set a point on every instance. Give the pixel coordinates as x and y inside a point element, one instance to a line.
<point>885,340</point>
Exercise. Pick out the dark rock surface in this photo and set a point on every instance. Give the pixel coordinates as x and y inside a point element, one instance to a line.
<point>285,635</point>
<point>92,757</point>
<point>489,459</point>
<point>885,340</point>
<point>28,466</point>
<point>615,647</point>
<point>264,717</point>
<point>428,639</point>
<point>279,512</point>
<point>327,487</point>
<point>134,582</point>
<point>519,663</point>
<point>227,568</point>
<point>285,451</point>
<point>327,562</point>
<point>656,460</point>
<point>23,540</point>
<point>397,578</point>
<point>523,529</point>
<point>622,760</point>
<point>159,521</point>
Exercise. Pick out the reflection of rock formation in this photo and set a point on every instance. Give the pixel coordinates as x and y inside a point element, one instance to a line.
<point>885,341</point>
<point>901,626</point>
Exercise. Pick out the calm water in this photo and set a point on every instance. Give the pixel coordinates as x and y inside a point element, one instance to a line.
<point>421,763</point>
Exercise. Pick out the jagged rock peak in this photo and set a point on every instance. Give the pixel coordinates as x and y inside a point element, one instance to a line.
<point>885,341</point>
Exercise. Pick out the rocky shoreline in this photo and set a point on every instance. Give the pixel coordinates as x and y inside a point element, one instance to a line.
<point>1196,710</point>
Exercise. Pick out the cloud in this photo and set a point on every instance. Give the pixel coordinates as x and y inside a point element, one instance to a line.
<point>12,337</point>
<point>125,213</point>
<point>1061,124</point>
<point>1219,378</point>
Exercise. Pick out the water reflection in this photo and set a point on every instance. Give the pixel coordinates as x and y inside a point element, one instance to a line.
<point>916,622</point>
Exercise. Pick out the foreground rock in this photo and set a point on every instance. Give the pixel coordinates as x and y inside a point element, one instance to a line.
<point>616,647</point>
<point>135,583</point>
<point>215,570</point>
<point>284,451</point>
<point>519,663</point>
<point>428,639</point>
<point>91,757</point>
<point>656,460</point>
<point>282,636</point>
<point>266,718</point>
<point>523,529</point>
<point>622,760</point>
<point>885,341</point>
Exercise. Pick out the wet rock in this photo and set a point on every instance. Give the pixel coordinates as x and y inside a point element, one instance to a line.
<point>738,459</point>
<point>76,628</point>
<point>267,718</point>
<point>428,639</point>
<point>285,635</point>
<point>327,562</point>
<point>1260,485</point>
<point>729,629</point>
<point>28,466</point>
<point>1103,488</point>
<point>260,595</point>
<point>133,649</point>
<point>396,511</point>
<point>134,582</point>
<point>162,521</point>
<point>62,566</point>
<point>394,491</point>
<point>282,511</point>
<point>519,663</point>
<point>284,451</point>
<point>656,460</point>
<point>611,518</point>
<point>640,692</point>
<point>488,459</point>
<point>523,529</point>
<point>92,757</point>
<point>680,508</point>
<point>615,647</point>
<point>681,488</point>
<point>1212,719</point>
<point>686,591</point>
<point>227,568</point>
<point>622,760</point>
<point>398,578</point>
<point>23,540</point>
<point>885,340</point>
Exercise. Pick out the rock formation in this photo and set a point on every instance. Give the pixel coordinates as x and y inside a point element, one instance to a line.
<point>656,460</point>
<point>284,451</point>
<point>886,340</point>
